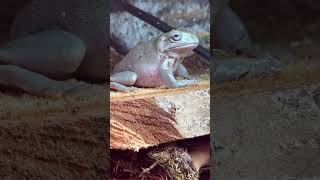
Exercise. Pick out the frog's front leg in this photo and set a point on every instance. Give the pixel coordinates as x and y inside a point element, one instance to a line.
<point>182,72</point>
<point>166,73</point>
<point>123,81</point>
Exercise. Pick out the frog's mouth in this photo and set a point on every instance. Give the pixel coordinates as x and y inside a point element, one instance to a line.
<point>187,46</point>
<point>181,50</point>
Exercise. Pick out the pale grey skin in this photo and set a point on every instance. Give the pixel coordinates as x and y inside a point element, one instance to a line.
<point>39,63</point>
<point>154,63</point>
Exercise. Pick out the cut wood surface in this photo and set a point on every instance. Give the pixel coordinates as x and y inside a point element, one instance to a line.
<point>149,117</point>
<point>153,92</point>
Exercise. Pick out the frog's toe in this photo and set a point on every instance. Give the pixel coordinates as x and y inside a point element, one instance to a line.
<point>65,88</point>
<point>121,88</point>
<point>128,89</point>
<point>77,87</point>
<point>186,82</point>
<point>189,82</point>
<point>193,81</point>
<point>132,89</point>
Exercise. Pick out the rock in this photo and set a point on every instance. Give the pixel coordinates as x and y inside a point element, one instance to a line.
<point>229,32</point>
<point>243,68</point>
<point>127,30</point>
<point>312,4</point>
<point>216,6</point>
<point>8,10</point>
<point>84,18</point>
<point>316,96</point>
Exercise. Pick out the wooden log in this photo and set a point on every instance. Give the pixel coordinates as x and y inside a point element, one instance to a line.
<point>150,117</point>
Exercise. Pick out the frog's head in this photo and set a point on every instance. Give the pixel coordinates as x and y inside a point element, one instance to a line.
<point>177,43</point>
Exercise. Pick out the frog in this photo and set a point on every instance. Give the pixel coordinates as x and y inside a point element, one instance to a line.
<point>156,63</point>
<point>55,49</point>
<point>43,64</point>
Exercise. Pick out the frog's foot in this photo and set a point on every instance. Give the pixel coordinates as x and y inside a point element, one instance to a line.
<point>182,72</point>
<point>181,83</point>
<point>58,89</point>
<point>34,83</point>
<point>186,82</point>
<point>123,81</point>
<point>72,86</point>
<point>122,88</point>
<point>170,81</point>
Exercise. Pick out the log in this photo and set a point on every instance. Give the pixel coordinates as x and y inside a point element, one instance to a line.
<point>150,117</point>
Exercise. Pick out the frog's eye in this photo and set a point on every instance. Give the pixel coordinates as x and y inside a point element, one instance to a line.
<point>176,36</point>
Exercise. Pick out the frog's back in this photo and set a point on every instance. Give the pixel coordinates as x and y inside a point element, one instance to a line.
<point>140,56</point>
<point>85,19</point>
<point>144,60</point>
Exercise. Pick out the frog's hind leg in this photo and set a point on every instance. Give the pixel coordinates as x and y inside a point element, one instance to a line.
<point>121,88</point>
<point>54,54</point>
<point>123,81</point>
<point>34,83</point>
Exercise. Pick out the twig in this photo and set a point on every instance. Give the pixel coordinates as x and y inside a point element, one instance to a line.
<point>147,170</point>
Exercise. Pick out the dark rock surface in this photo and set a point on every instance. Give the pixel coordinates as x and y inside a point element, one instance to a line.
<point>283,19</point>
<point>229,32</point>
<point>243,68</point>
<point>8,10</point>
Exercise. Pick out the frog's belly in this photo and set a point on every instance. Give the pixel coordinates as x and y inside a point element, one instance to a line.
<point>148,77</point>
